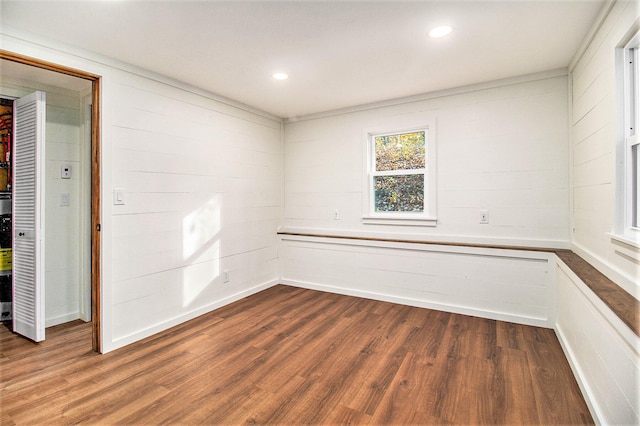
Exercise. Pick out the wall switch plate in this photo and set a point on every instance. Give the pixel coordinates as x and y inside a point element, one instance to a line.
<point>65,199</point>
<point>65,171</point>
<point>336,214</point>
<point>484,217</point>
<point>118,197</point>
<point>225,276</point>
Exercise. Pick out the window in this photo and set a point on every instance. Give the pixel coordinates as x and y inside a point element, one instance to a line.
<point>400,178</point>
<point>628,223</point>
<point>632,139</point>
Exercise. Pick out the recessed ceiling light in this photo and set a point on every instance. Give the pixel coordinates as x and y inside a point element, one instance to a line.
<point>280,76</point>
<point>440,31</point>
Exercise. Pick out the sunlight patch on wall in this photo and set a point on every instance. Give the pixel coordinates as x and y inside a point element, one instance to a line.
<point>200,275</point>
<point>201,249</point>
<point>200,227</point>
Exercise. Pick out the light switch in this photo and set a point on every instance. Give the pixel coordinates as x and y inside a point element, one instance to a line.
<point>118,197</point>
<point>65,199</point>
<point>65,171</point>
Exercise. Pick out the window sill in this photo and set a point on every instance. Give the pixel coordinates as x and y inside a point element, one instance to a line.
<point>630,240</point>
<point>627,245</point>
<point>400,221</point>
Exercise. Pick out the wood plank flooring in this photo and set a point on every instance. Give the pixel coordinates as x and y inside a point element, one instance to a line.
<point>295,356</point>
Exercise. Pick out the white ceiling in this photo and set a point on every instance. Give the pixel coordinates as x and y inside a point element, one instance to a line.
<point>337,53</point>
<point>13,71</point>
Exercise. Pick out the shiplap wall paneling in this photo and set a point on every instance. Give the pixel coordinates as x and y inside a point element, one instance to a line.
<point>501,147</point>
<point>602,351</point>
<point>489,283</point>
<point>593,122</point>
<point>206,173</point>
<point>202,196</point>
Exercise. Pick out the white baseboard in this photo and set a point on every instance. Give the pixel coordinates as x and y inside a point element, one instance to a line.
<point>584,386</point>
<point>61,319</point>
<point>142,334</point>
<point>539,322</point>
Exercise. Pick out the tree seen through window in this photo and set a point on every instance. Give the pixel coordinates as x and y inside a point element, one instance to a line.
<point>399,172</point>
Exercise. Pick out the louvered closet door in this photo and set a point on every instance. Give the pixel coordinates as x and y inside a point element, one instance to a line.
<point>28,216</point>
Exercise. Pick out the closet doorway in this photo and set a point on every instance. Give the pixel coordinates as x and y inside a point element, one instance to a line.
<point>26,71</point>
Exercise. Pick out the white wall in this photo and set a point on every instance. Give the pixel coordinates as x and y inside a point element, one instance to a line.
<point>593,142</point>
<point>602,350</point>
<point>501,147</point>
<point>62,223</point>
<point>64,253</point>
<point>202,182</point>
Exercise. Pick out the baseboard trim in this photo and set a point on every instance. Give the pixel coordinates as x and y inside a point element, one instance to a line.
<point>61,319</point>
<point>578,373</point>
<point>538,322</point>
<point>142,334</point>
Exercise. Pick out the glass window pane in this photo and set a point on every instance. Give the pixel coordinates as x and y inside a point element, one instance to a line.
<point>635,186</point>
<point>635,87</point>
<point>400,152</point>
<point>403,193</point>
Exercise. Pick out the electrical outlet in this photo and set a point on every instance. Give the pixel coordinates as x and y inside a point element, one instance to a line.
<point>65,171</point>
<point>225,276</point>
<point>484,217</point>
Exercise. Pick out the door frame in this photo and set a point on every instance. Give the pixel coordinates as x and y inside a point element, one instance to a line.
<point>96,260</point>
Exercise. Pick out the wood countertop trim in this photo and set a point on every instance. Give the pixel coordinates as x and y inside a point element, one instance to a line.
<point>623,304</point>
<point>423,242</point>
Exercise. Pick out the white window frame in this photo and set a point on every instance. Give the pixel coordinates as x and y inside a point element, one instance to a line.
<point>428,216</point>
<point>627,227</point>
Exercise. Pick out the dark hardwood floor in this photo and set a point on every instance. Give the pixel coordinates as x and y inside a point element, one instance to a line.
<point>295,356</point>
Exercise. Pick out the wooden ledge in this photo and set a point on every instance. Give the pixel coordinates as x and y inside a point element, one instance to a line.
<point>623,304</point>
<point>424,242</point>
